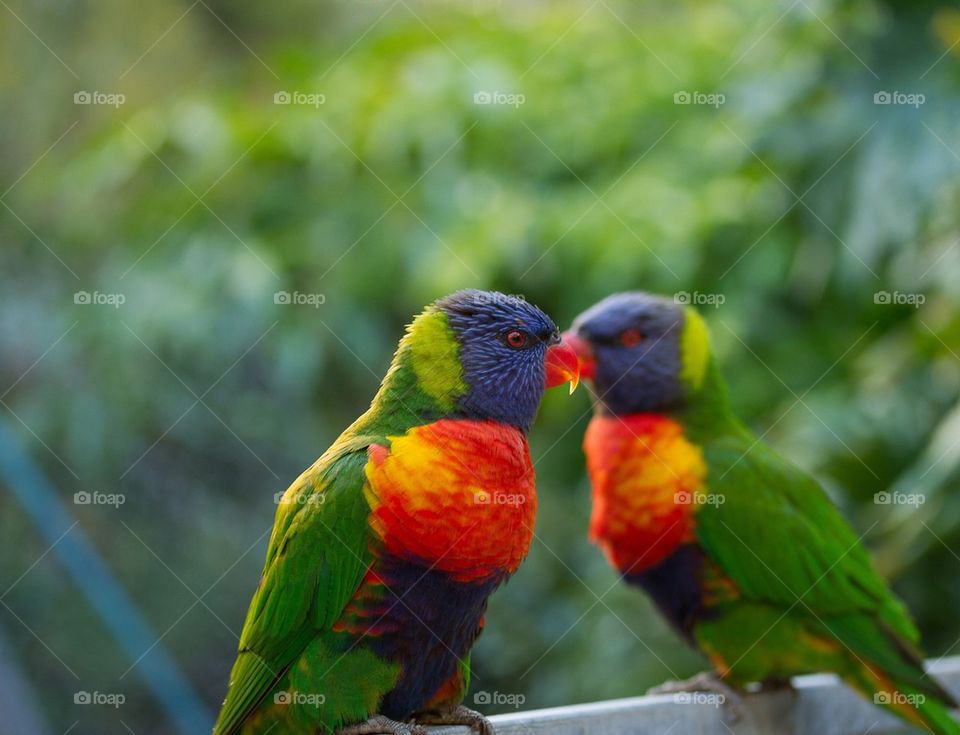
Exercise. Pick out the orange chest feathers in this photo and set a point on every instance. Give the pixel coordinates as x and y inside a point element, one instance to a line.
<point>646,478</point>
<point>457,495</point>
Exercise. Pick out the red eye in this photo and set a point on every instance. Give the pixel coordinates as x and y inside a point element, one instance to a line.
<point>517,339</point>
<point>630,337</point>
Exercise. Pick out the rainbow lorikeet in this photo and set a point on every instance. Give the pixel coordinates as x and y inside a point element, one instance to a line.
<point>740,550</point>
<point>384,552</point>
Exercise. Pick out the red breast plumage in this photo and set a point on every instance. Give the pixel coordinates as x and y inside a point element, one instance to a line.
<point>456,494</point>
<point>646,477</point>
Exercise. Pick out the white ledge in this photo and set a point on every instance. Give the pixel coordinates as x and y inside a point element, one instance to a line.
<point>819,705</point>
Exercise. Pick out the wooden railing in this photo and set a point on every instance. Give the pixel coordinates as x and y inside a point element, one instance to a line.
<point>818,705</point>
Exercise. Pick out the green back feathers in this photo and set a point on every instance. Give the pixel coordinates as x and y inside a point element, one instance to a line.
<point>317,556</point>
<point>783,543</point>
<point>319,549</point>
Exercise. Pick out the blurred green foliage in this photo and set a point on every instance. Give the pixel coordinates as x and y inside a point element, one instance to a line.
<point>798,200</point>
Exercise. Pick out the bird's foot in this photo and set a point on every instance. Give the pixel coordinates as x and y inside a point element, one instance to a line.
<point>712,690</point>
<point>380,725</point>
<point>458,715</point>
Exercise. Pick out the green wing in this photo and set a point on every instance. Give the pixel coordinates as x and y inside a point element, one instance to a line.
<point>782,541</point>
<point>316,559</point>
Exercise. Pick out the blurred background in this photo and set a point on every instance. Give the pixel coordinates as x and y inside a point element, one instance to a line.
<point>217,218</point>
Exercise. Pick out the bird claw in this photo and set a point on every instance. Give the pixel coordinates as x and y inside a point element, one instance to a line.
<point>705,681</point>
<point>458,715</point>
<point>381,725</point>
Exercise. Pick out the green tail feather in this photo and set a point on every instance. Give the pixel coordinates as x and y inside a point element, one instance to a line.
<point>251,680</point>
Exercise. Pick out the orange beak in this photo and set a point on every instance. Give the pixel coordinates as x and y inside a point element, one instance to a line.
<point>581,348</point>
<point>562,366</point>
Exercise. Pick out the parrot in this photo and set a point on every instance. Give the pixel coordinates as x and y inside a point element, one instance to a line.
<point>384,552</point>
<point>742,552</point>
